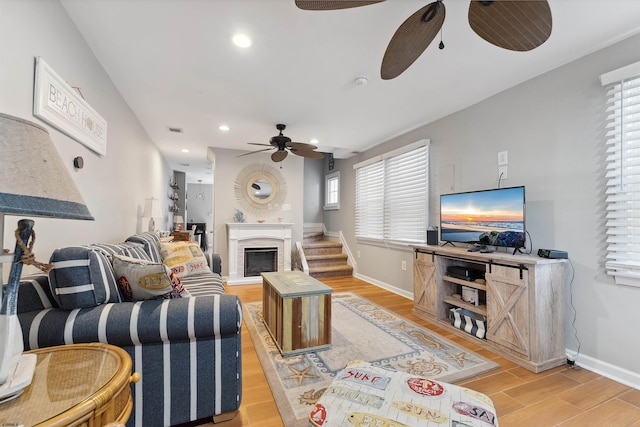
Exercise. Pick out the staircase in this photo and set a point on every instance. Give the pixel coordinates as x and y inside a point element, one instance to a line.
<point>325,258</point>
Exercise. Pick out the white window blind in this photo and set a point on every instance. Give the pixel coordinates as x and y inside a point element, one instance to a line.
<point>392,195</point>
<point>623,174</point>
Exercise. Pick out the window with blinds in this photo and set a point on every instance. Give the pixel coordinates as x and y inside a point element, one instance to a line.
<point>623,174</point>
<point>392,195</point>
<point>332,191</point>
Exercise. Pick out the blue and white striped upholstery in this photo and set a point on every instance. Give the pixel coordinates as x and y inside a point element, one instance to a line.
<point>151,243</point>
<point>82,277</point>
<point>187,350</point>
<point>130,249</point>
<point>34,293</point>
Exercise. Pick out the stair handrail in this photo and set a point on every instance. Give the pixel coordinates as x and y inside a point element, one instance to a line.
<point>350,258</point>
<point>303,258</point>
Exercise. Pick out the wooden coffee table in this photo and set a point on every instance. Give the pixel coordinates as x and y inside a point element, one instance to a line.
<point>296,309</point>
<point>74,385</point>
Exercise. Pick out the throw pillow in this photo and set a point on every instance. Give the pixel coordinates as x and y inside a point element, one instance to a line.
<point>82,277</point>
<point>130,249</point>
<point>141,279</point>
<point>150,242</point>
<point>184,258</point>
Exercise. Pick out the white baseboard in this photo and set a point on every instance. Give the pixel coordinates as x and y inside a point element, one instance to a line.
<point>386,286</point>
<point>313,227</point>
<point>616,373</point>
<point>243,281</point>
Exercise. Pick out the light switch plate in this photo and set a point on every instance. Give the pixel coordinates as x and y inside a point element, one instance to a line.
<point>502,158</point>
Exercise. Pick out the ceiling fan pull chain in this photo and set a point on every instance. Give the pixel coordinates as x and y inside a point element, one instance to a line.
<point>441,45</point>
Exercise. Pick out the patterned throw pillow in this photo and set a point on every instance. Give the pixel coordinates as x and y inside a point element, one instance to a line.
<point>184,258</point>
<point>141,279</point>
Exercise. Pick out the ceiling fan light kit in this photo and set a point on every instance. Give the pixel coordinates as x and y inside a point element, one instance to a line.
<point>517,25</point>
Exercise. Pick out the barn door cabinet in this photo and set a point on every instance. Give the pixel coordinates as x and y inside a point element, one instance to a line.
<point>522,299</point>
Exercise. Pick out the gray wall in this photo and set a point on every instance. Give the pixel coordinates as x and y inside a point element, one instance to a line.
<point>313,191</point>
<point>552,127</point>
<point>115,186</point>
<point>226,168</point>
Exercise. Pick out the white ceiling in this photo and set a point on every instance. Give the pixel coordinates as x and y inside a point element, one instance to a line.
<point>175,65</point>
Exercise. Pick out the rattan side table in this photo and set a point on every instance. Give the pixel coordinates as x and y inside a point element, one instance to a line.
<point>79,384</point>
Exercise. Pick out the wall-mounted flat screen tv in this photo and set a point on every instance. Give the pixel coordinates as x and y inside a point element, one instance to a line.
<point>488,217</point>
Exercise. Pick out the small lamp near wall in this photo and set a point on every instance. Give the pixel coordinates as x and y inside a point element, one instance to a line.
<point>178,222</point>
<point>33,182</point>
<point>151,210</point>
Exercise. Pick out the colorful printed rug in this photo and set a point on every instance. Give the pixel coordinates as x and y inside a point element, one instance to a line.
<point>361,330</point>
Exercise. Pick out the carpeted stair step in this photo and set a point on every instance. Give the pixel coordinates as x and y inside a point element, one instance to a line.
<point>322,247</point>
<point>326,260</point>
<point>331,271</point>
<point>312,237</point>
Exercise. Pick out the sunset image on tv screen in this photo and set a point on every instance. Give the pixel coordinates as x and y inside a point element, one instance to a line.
<point>493,217</point>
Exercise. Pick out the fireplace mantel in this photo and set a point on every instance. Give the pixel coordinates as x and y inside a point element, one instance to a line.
<point>243,235</point>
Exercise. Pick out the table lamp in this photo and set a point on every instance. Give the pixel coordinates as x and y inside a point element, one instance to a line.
<point>151,210</point>
<point>178,222</point>
<point>33,182</point>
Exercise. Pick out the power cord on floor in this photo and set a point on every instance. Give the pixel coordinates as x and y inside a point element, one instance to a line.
<point>571,358</point>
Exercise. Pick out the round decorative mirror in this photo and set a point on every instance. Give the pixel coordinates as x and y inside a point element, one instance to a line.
<point>260,188</point>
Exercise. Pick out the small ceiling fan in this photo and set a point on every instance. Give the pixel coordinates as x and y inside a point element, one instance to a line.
<point>283,143</point>
<point>518,25</point>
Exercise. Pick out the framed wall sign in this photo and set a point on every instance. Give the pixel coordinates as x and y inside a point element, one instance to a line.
<point>58,104</point>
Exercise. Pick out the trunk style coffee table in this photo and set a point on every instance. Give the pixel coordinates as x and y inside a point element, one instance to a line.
<point>296,309</point>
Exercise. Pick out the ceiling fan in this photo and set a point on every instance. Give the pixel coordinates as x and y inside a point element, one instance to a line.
<point>283,143</point>
<point>518,25</point>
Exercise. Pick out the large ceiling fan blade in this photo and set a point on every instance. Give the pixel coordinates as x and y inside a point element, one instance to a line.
<point>301,146</point>
<point>253,152</point>
<point>333,4</point>
<point>310,154</point>
<point>279,156</point>
<point>520,25</point>
<point>411,39</point>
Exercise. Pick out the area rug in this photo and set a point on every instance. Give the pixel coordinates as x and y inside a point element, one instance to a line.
<point>361,330</point>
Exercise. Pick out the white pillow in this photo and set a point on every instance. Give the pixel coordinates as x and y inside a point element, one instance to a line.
<point>141,279</point>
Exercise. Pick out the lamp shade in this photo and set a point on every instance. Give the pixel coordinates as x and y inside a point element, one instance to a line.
<point>33,179</point>
<point>178,219</point>
<point>151,208</point>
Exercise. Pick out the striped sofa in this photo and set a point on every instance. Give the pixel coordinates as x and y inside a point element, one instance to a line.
<point>187,350</point>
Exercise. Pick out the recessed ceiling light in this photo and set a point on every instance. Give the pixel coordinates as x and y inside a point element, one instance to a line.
<point>223,128</point>
<point>313,141</point>
<point>242,40</point>
<point>184,150</point>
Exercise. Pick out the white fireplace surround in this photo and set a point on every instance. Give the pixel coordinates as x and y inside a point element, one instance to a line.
<point>256,235</point>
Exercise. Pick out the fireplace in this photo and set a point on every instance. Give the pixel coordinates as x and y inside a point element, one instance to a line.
<point>258,236</point>
<point>260,260</point>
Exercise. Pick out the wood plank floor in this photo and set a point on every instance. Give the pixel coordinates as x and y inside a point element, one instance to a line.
<point>563,396</point>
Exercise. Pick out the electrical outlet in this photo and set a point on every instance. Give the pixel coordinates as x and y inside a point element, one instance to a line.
<point>404,265</point>
<point>502,172</point>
